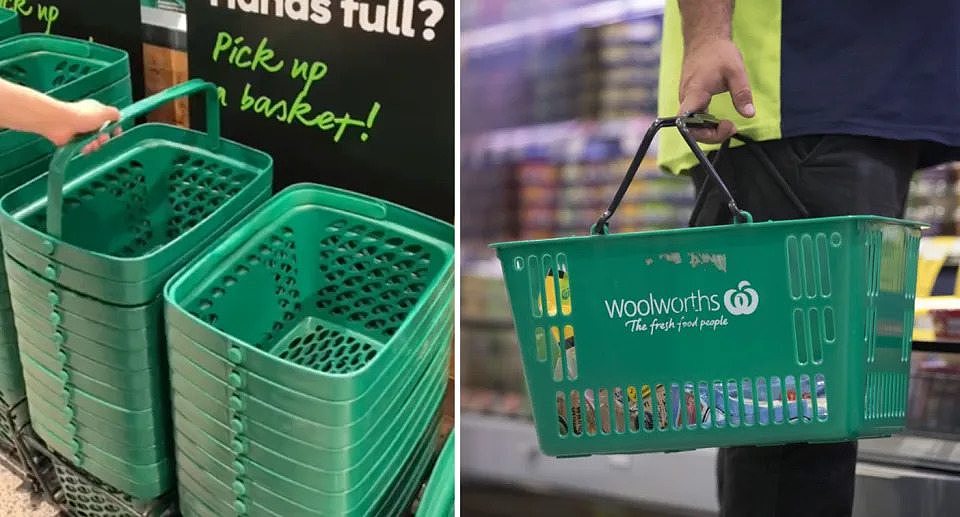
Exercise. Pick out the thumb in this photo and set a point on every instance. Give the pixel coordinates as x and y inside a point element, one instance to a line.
<point>694,98</point>
<point>110,113</point>
<point>739,85</point>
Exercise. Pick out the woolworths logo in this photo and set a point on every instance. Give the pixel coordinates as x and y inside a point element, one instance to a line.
<point>697,311</point>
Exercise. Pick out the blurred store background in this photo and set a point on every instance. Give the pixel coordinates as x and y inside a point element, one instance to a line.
<point>555,96</point>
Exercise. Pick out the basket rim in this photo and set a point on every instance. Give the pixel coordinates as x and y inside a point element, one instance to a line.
<point>184,282</point>
<point>107,50</point>
<point>14,215</point>
<point>505,245</point>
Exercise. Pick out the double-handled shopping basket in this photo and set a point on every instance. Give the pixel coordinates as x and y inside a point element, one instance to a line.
<point>88,248</point>
<point>747,334</point>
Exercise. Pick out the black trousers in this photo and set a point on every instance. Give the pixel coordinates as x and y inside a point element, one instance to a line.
<point>830,175</point>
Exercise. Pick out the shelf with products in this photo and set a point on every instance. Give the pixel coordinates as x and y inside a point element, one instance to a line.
<point>585,72</point>
<point>486,23</point>
<point>934,198</point>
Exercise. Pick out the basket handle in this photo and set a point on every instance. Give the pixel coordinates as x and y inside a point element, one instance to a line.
<point>62,157</point>
<point>682,122</point>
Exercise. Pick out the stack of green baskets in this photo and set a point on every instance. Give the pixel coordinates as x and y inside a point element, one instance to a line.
<point>438,497</point>
<point>9,24</point>
<point>86,267</point>
<point>308,353</point>
<point>68,70</point>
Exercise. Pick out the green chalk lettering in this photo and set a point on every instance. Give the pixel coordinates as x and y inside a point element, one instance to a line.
<point>18,6</point>
<point>224,41</point>
<point>308,72</point>
<point>222,96</point>
<point>239,53</point>
<point>300,108</point>
<point>263,105</point>
<point>345,121</point>
<point>48,14</point>
<point>326,121</point>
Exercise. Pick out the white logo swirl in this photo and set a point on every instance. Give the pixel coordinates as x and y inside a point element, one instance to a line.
<point>741,301</point>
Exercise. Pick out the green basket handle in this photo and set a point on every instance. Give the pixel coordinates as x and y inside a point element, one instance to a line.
<point>62,157</point>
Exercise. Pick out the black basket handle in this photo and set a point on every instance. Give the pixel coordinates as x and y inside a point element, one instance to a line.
<point>683,123</point>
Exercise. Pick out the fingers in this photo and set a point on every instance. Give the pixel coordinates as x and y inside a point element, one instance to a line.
<point>739,85</point>
<point>722,132</point>
<point>95,144</point>
<point>694,99</point>
<point>111,114</point>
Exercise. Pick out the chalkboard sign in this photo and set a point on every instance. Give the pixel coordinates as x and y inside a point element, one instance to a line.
<point>111,22</point>
<point>349,93</point>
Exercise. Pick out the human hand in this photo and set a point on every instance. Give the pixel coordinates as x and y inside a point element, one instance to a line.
<point>711,67</point>
<point>78,118</point>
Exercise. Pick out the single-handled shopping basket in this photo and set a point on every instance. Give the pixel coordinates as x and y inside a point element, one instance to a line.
<point>64,68</point>
<point>747,334</point>
<point>88,248</point>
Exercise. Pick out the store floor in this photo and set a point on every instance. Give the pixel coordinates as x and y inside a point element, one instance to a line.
<point>482,500</point>
<point>18,502</point>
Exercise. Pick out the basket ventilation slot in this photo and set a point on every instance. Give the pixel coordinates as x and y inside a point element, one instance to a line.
<point>674,407</point>
<point>886,395</point>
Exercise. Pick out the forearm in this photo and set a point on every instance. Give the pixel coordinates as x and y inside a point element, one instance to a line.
<point>24,109</point>
<point>705,21</point>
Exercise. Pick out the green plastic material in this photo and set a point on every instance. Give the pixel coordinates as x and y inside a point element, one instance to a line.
<point>178,190</point>
<point>271,437</point>
<point>438,496</point>
<point>92,342</point>
<point>9,24</point>
<point>214,494</point>
<point>361,293</point>
<point>12,176</point>
<point>64,68</point>
<point>118,94</point>
<point>749,334</point>
<point>357,268</point>
<point>419,345</point>
<point>296,477</point>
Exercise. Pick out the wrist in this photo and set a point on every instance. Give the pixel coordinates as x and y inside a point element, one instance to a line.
<point>54,121</point>
<point>705,42</point>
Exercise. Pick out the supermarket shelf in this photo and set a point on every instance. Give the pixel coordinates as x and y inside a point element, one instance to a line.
<point>936,346</point>
<point>163,18</point>
<point>631,129</point>
<point>164,28</point>
<point>486,323</point>
<point>592,14</point>
<point>501,450</point>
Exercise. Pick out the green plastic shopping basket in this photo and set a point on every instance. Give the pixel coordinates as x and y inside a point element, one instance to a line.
<point>9,24</point>
<point>203,495</point>
<point>86,287</point>
<point>294,480</point>
<point>438,496</point>
<point>747,334</point>
<point>38,148</point>
<point>64,68</point>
